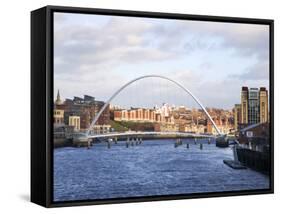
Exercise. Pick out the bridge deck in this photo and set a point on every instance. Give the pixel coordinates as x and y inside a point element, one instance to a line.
<point>128,134</point>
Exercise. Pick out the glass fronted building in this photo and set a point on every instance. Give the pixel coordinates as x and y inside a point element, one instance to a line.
<point>253,106</point>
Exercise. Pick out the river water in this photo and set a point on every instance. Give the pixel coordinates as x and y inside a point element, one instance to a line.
<point>153,168</point>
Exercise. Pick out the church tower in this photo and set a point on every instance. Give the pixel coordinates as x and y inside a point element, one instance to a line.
<point>58,100</point>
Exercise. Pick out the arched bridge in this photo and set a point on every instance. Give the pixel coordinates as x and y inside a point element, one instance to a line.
<point>90,136</point>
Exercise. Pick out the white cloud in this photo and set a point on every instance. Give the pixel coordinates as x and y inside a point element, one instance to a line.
<point>89,54</point>
<point>259,71</point>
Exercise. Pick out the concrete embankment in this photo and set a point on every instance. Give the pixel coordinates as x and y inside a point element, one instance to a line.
<point>58,143</point>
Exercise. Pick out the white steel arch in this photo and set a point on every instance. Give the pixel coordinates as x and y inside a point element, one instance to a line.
<point>150,76</point>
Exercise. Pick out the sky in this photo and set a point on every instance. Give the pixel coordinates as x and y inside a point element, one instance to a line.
<point>96,55</point>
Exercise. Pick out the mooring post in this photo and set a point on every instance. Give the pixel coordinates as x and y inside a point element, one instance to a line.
<point>108,143</point>
<point>89,143</point>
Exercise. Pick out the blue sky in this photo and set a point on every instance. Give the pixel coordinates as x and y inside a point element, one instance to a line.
<point>96,55</point>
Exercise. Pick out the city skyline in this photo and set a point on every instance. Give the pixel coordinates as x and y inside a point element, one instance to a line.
<point>101,53</point>
<point>151,107</point>
<point>253,109</point>
<point>132,106</point>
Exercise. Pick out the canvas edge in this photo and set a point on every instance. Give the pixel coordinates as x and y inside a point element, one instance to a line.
<point>49,10</point>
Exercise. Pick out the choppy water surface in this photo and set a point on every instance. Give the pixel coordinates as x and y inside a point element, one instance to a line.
<point>152,168</point>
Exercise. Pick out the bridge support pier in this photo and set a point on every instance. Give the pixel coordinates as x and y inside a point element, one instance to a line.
<point>235,153</point>
<point>222,141</point>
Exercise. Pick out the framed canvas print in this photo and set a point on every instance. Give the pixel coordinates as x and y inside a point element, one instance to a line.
<point>131,106</point>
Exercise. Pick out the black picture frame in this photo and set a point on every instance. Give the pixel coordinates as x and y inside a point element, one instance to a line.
<point>42,98</point>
